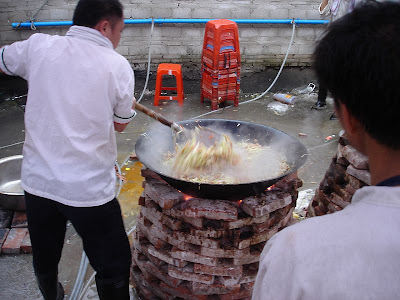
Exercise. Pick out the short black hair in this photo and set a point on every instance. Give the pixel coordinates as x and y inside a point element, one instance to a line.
<point>89,12</point>
<point>358,60</point>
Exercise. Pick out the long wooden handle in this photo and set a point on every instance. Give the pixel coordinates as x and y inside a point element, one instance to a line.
<point>152,114</point>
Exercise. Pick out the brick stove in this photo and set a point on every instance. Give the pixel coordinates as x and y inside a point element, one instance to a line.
<point>187,248</point>
<point>348,172</point>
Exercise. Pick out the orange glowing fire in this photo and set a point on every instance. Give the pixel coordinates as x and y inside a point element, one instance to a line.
<point>240,202</point>
<point>187,197</point>
<point>270,188</point>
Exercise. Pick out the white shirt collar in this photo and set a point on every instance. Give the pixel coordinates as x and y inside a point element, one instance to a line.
<point>379,195</point>
<point>89,34</point>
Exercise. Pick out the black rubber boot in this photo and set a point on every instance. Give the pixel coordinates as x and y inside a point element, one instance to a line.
<point>333,117</point>
<point>113,291</point>
<point>49,286</point>
<point>319,105</point>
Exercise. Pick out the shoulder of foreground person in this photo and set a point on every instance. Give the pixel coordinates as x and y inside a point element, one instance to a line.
<point>346,255</point>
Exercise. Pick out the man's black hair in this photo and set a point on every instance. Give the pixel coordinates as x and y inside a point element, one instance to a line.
<point>358,60</point>
<point>89,12</point>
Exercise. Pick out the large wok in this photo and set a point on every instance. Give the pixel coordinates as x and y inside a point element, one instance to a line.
<point>152,146</point>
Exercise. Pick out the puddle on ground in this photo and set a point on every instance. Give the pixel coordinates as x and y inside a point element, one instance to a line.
<point>130,191</point>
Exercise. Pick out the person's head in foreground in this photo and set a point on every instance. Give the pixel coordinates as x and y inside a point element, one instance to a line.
<point>359,62</point>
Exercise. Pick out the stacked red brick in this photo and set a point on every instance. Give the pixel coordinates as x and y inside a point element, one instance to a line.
<point>204,249</point>
<point>14,235</point>
<point>347,172</point>
<point>220,80</point>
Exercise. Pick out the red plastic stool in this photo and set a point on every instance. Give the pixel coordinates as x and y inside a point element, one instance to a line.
<point>174,70</point>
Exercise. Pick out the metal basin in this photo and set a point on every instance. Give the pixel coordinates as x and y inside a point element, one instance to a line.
<point>11,192</point>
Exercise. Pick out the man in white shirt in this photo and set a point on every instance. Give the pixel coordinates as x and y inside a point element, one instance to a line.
<point>80,92</point>
<point>335,9</point>
<point>354,253</point>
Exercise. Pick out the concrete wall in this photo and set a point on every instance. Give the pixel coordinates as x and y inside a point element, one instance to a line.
<point>261,45</point>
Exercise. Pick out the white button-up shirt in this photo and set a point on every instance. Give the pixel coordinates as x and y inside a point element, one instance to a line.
<point>78,85</point>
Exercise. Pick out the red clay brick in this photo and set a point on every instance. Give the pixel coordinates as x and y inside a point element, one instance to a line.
<point>19,220</point>
<point>164,195</point>
<point>177,213</point>
<point>147,266</point>
<point>289,183</point>
<point>273,220</point>
<point>247,222</point>
<point>193,257</point>
<point>257,238</point>
<point>259,206</point>
<point>207,233</point>
<point>201,241</point>
<point>159,244</point>
<point>253,257</point>
<point>245,292</point>
<point>182,291</point>
<point>159,219</point>
<point>149,174</point>
<point>26,246</point>
<point>362,175</point>
<point>3,235</point>
<point>235,271</point>
<point>356,158</point>
<point>187,274</point>
<point>336,199</point>
<point>13,241</point>
<point>211,209</point>
<point>341,160</point>
<point>247,277</point>
<point>141,200</point>
<point>355,183</point>
<point>140,282</point>
<point>144,249</point>
<point>334,208</point>
<point>216,288</point>
<point>350,189</point>
<point>224,253</point>
<point>339,174</point>
<point>168,238</point>
<point>159,254</point>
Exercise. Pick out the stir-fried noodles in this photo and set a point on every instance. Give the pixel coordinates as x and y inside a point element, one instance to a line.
<point>225,162</point>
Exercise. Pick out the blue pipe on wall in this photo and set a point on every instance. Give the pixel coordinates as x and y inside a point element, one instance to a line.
<point>190,21</point>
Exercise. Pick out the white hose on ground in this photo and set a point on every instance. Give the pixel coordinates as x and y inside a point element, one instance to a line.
<point>10,145</point>
<point>268,89</point>
<point>79,278</point>
<point>148,61</point>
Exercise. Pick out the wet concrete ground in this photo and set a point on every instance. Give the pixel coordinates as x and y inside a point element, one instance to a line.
<point>16,274</point>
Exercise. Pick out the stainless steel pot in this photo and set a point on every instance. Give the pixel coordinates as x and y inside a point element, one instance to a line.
<point>11,192</point>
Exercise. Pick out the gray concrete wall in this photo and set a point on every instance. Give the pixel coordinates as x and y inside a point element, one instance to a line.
<point>261,45</point>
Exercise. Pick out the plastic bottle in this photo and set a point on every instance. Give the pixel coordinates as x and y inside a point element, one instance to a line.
<point>285,98</point>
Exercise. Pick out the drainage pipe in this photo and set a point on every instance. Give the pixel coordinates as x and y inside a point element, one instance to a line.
<point>179,21</point>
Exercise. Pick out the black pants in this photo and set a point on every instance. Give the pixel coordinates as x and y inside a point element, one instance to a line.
<point>101,229</point>
<point>322,93</point>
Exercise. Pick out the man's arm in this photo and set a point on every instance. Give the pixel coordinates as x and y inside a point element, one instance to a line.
<point>324,8</point>
<point>121,127</point>
<point>324,4</point>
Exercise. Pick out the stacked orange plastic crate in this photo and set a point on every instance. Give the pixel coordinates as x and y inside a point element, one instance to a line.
<point>220,80</point>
